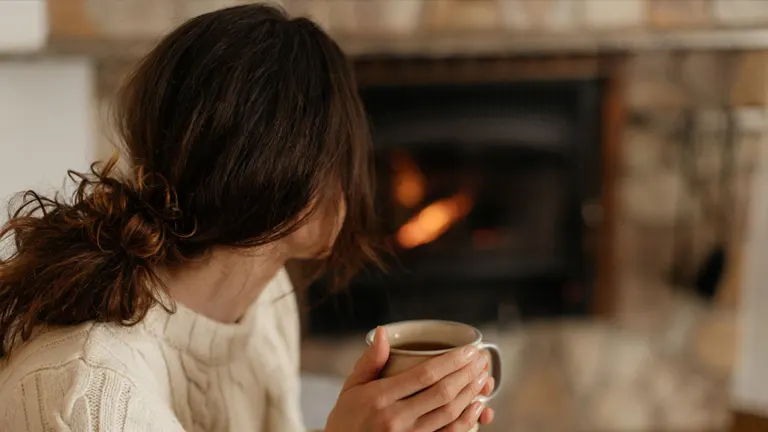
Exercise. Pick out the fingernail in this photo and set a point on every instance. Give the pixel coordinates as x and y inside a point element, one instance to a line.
<point>478,409</point>
<point>481,380</point>
<point>480,364</point>
<point>470,351</point>
<point>382,335</point>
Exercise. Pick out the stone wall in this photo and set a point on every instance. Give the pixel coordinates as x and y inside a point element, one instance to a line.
<point>138,19</point>
<point>407,17</point>
<point>672,182</point>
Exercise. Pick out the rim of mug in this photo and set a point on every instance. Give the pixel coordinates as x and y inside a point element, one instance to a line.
<point>478,337</point>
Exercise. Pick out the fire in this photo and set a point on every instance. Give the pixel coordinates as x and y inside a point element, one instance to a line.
<point>408,181</point>
<point>434,220</point>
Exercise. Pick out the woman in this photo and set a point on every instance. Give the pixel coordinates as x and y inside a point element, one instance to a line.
<point>156,300</point>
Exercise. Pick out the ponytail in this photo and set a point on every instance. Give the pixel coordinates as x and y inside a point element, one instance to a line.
<point>91,258</point>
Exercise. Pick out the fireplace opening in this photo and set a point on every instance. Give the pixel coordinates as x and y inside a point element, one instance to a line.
<point>483,190</point>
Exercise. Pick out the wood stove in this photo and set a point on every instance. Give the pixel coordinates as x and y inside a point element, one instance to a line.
<point>491,192</point>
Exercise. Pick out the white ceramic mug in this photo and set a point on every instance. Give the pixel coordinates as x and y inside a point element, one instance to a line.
<point>449,333</point>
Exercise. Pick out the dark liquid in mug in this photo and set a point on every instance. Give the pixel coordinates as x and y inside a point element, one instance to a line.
<point>424,346</point>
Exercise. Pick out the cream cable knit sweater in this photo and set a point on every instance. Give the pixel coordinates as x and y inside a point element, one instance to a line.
<point>170,373</point>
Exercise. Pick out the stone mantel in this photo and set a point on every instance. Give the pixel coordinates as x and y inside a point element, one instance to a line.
<point>126,29</point>
<point>504,44</point>
<point>473,44</point>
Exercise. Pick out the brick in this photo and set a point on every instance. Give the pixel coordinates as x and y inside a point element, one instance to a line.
<point>652,199</point>
<point>445,16</point>
<point>669,80</point>
<point>741,12</point>
<point>749,85</point>
<point>705,78</point>
<point>317,10</point>
<point>614,14</point>
<point>68,18</point>
<point>541,15</point>
<point>679,13</point>
<point>373,17</point>
<point>135,19</point>
<point>192,8</point>
<point>652,82</point>
<point>714,344</point>
<point>401,17</point>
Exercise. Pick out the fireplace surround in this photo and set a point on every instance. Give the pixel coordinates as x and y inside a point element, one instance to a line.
<point>494,190</point>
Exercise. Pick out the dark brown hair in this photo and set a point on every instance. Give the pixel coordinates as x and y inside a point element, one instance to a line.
<point>235,124</point>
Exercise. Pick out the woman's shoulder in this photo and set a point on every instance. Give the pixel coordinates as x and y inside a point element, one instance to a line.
<point>75,375</point>
<point>91,344</point>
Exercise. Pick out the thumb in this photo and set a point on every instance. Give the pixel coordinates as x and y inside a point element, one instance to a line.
<point>373,360</point>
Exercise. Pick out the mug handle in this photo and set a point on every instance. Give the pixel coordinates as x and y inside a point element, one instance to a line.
<point>495,352</point>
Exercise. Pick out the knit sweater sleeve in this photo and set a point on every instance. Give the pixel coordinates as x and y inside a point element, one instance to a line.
<point>82,398</point>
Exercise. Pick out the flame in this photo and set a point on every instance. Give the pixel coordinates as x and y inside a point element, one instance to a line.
<point>409,183</point>
<point>434,220</point>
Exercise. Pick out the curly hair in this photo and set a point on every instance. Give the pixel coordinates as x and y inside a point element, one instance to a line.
<point>235,124</point>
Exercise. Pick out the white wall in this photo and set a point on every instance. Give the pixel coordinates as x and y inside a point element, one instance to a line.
<point>23,25</point>
<point>46,123</point>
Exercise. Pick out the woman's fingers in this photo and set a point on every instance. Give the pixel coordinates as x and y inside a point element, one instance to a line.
<point>470,378</point>
<point>448,412</point>
<point>489,386</point>
<point>468,419</point>
<point>426,374</point>
<point>373,360</point>
<point>486,417</point>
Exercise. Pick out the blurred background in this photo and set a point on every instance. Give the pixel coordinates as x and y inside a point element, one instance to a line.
<point>581,179</point>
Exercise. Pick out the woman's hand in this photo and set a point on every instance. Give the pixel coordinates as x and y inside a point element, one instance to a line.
<point>436,395</point>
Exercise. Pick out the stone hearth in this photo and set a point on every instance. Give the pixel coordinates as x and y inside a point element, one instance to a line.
<point>670,374</point>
